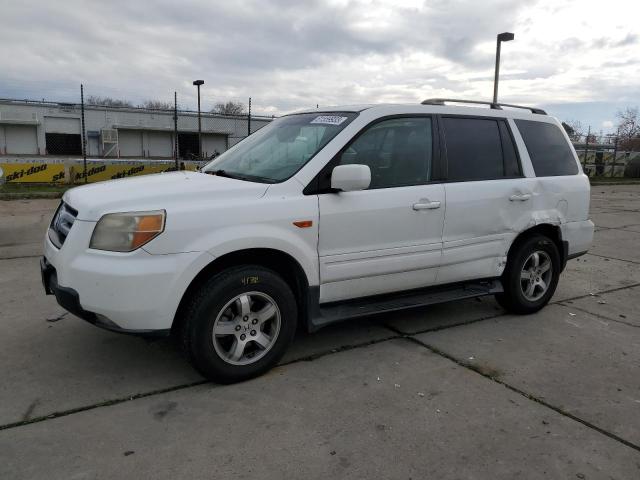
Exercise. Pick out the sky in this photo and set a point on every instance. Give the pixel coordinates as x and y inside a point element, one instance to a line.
<point>579,59</point>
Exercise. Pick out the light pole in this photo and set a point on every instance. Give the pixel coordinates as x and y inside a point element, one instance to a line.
<point>502,37</point>
<point>197,83</point>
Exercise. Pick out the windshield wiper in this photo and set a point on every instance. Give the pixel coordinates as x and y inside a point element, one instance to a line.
<point>220,173</point>
<point>239,176</point>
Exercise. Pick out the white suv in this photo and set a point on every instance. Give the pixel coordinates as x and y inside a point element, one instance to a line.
<point>322,216</point>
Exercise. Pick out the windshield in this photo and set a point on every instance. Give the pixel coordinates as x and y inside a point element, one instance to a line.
<point>278,150</point>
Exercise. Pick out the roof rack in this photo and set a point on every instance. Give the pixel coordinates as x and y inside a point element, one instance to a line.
<point>495,106</point>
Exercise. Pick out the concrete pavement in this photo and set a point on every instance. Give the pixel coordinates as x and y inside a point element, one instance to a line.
<point>459,390</point>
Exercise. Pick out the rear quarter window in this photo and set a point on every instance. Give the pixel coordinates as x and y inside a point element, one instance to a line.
<point>548,149</point>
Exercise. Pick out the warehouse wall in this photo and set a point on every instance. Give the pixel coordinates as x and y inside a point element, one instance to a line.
<point>68,125</point>
<point>143,133</point>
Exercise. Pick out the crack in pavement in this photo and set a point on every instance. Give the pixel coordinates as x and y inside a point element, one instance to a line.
<point>58,318</point>
<point>494,377</point>
<point>622,228</point>
<point>446,327</point>
<point>116,401</point>
<point>19,257</point>
<point>598,315</point>
<point>397,334</point>
<point>593,294</point>
<point>106,403</point>
<point>614,258</point>
<point>32,406</point>
<point>343,348</point>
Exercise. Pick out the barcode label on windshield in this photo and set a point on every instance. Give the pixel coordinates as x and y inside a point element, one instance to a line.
<point>329,120</point>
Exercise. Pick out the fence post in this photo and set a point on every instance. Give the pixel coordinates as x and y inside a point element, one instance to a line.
<point>615,153</point>
<point>175,128</point>
<point>84,136</point>
<point>586,147</point>
<point>249,119</point>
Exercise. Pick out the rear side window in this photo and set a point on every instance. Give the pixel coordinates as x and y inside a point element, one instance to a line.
<point>479,149</point>
<point>549,151</point>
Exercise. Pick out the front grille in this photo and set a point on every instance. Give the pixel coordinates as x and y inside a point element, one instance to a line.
<point>61,224</point>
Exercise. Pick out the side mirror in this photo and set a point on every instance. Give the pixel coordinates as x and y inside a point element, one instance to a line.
<point>349,178</point>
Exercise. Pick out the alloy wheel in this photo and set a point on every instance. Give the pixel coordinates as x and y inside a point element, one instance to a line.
<point>536,275</point>
<point>246,328</point>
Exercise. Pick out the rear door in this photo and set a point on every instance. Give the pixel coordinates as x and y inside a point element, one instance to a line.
<point>389,237</point>
<point>488,198</point>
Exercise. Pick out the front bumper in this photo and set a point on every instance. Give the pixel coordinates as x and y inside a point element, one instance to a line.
<point>134,292</point>
<point>69,299</point>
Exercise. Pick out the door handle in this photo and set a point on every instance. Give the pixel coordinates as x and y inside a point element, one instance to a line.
<point>426,205</point>
<point>521,197</point>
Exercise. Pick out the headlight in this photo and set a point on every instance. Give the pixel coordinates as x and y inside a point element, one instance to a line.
<point>124,232</point>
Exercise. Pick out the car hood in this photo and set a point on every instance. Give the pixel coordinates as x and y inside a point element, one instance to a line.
<point>156,192</point>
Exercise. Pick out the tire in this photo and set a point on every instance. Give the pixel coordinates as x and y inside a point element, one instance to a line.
<point>521,272</point>
<point>254,314</point>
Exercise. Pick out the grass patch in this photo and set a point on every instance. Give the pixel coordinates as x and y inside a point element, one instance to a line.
<point>614,180</point>
<point>10,191</point>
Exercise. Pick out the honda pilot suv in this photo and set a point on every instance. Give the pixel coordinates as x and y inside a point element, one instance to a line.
<point>322,216</point>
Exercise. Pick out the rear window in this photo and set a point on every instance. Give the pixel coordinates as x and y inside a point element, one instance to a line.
<point>549,151</point>
<point>479,149</point>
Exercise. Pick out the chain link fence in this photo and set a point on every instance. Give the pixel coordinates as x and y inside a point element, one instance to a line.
<point>106,137</point>
<point>608,155</point>
<point>162,134</point>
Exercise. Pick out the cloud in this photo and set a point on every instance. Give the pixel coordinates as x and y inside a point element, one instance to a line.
<point>288,54</point>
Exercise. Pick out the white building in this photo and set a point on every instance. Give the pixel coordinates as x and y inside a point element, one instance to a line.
<point>44,129</point>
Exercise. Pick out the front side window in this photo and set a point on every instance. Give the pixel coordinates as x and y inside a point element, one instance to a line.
<point>277,151</point>
<point>398,151</point>
<point>475,150</point>
<point>548,149</point>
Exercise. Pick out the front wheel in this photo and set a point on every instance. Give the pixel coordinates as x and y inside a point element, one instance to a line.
<point>239,324</point>
<point>531,275</point>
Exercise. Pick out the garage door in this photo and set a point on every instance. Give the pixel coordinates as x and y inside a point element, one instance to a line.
<point>213,143</point>
<point>160,144</point>
<point>62,136</point>
<point>130,143</point>
<point>21,139</point>
<point>62,125</point>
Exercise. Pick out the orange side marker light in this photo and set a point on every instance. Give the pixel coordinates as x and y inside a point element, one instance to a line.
<point>303,223</point>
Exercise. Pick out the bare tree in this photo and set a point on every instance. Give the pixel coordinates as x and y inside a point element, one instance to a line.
<point>628,122</point>
<point>108,101</point>
<point>156,105</point>
<point>229,108</point>
<point>628,127</point>
<point>573,129</point>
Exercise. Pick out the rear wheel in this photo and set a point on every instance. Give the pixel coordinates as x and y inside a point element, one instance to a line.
<point>239,324</point>
<point>531,275</point>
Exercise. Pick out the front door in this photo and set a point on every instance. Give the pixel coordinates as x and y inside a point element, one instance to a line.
<point>389,237</point>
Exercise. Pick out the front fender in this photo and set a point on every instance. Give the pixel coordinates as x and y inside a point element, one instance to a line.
<point>301,245</point>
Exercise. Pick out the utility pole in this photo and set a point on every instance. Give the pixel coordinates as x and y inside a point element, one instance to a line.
<point>502,37</point>
<point>84,136</point>
<point>175,129</point>
<point>198,83</point>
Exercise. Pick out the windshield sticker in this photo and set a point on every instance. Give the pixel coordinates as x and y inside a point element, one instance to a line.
<point>329,120</point>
